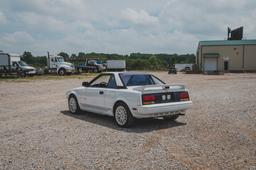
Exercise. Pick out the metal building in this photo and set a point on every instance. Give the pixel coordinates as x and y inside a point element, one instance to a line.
<point>226,56</point>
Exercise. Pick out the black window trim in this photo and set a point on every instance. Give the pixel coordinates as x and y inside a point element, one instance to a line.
<point>157,79</point>
<point>114,80</point>
<point>104,74</point>
<point>124,85</point>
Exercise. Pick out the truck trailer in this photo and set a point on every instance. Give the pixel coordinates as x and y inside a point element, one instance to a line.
<point>116,65</point>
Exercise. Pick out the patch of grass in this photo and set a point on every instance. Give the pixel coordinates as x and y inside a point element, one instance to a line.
<point>46,77</point>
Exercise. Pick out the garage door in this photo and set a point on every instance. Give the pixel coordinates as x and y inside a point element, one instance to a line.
<point>210,64</point>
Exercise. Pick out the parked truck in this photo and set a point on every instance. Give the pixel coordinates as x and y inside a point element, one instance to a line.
<point>116,65</point>
<point>57,64</point>
<point>92,66</point>
<point>12,64</point>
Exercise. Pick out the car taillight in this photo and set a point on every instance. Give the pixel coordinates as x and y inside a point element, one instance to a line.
<point>184,96</point>
<point>149,99</point>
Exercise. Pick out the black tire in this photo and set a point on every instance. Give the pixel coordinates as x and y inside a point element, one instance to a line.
<point>98,70</point>
<point>62,72</point>
<point>95,70</point>
<point>72,98</point>
<point>128,121</point>
<point>22,74</point>
<point>171,118</point>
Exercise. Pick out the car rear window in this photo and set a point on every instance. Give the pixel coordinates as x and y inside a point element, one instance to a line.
<point>139,79</point>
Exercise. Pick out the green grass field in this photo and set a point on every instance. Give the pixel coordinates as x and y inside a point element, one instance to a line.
<point>46,77</point>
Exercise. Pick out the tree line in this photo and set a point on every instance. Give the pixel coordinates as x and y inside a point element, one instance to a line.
<point>134,61</point>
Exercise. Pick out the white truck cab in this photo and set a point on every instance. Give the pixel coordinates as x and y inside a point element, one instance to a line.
<point>57,64</point>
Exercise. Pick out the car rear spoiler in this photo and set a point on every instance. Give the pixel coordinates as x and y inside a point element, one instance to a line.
<point>160,87</point>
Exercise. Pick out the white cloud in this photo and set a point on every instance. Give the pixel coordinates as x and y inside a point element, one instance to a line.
<point>114,26</point>
<point>140,17</point>
<point>17,42</point>
<point>42,22</point>
<point>18,38</point>
<point>3,18</point>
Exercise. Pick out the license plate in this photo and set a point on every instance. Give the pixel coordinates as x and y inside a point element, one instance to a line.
<point>166,97</point>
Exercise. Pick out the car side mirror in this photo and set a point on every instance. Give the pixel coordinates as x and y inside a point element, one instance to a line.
<point>85,84</point>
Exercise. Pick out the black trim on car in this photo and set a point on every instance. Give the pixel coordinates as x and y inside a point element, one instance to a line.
<point>105,74</point>
<point>142,74</point>
<point>157,78</point>
<point>174,97</point>
<point>124,86</point>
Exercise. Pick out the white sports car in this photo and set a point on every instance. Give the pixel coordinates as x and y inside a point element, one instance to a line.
<point>127,95</point>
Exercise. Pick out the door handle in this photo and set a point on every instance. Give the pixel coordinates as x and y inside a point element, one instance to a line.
<point>101,92</point>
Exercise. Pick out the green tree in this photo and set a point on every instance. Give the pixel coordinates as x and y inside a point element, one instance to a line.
<point>81,55</point>
<point>64,55</point>
<point>27,57</point>
<point>73,56</point>
<point>153,63</point>
<point>39,61</point>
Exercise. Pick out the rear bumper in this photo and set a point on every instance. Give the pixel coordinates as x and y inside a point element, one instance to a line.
<point>160,110</point>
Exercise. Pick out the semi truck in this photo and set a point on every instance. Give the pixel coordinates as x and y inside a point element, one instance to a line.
<point>12,64</point>
<point>57,64</point>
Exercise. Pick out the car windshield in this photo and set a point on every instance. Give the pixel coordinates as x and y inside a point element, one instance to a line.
<point>22,63</point>
<point>139,79</point>
<point>61,60</point>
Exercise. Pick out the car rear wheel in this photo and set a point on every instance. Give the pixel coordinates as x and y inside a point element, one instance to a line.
<point>73,105</point>
<point>122,115</point>
<point>171,118</point>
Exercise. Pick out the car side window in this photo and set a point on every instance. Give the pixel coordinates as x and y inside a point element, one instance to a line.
<point>136,80</point>
<point>112,82</point>
<point>101,81</point>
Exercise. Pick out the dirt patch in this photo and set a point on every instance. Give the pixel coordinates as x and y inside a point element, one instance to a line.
<point>37,131</point>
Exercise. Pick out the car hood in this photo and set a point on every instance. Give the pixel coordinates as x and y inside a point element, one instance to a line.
<point>28,67</point>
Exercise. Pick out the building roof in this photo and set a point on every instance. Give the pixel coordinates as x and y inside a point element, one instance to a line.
<point>227,42</point>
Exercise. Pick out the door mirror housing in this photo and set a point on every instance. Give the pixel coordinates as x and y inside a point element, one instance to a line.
<point>85,84</point>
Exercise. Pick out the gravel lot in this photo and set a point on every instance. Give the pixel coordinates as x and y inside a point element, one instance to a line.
<point>219,132</point>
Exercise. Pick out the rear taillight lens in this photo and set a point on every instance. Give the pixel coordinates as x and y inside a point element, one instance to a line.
<point>184,96</point>
<point>148,99</point>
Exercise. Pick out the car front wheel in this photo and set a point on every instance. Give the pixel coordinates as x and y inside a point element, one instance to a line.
<point>73,105</point>
<point>122,115</point>
<point>62,72</point>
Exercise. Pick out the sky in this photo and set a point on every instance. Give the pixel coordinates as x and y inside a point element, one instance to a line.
<point>120,26</point>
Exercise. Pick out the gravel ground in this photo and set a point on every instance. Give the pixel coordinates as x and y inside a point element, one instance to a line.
<point>219,132</point>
